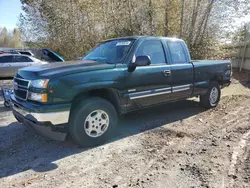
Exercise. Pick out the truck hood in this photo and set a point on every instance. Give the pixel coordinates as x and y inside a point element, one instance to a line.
<point>52,70</point>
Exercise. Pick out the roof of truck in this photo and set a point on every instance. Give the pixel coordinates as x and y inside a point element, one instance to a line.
<point>139,37</point>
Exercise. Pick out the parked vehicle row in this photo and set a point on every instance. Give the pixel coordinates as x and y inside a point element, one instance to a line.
<point>10,63</point>
<point>84,98</point>
<point>20,52</point>
<point>12,60</point>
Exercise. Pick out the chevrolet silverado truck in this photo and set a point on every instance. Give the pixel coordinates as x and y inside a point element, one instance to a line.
<point>84,98</point>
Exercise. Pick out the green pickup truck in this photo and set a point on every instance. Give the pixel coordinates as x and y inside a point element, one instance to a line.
<point>84,98</point>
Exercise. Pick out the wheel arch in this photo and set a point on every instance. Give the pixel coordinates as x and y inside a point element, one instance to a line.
<point>109,94</point>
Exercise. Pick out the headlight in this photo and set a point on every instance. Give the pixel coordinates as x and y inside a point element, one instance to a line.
<point>40,97</point>
<point>42,83</point>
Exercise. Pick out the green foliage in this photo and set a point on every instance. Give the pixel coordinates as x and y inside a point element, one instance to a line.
<point>72,27</point>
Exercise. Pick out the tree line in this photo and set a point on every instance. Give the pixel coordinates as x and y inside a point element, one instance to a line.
<point>72,27</point>
<point>10,39</point>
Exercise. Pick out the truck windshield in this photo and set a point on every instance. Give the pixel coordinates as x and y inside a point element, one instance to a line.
<point>110,52</point>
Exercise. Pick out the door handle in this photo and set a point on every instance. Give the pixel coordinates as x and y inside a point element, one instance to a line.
<point>167,72</point>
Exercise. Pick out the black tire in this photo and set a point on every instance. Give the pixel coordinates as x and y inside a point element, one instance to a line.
<point>205,99</point>
<point>81,112</point>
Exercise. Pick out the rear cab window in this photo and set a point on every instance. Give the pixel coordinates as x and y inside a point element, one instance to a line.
<point>177,52</point>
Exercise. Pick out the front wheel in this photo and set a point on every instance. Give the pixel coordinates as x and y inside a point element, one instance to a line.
<point>92,122</point>
<point>212,98</point>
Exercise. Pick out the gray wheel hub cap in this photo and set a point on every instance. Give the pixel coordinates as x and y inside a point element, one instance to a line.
<point>96,123</point>
<point>214,94</point>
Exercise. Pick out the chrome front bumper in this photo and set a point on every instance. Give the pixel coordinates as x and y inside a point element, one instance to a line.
<point>49,131</point>
<point>48,121</point>
<point>55,118</point>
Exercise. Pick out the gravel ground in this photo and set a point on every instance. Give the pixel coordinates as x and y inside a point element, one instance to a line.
<point>176,145</point>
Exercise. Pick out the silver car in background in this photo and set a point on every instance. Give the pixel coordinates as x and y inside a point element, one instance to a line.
<point>10,63</point>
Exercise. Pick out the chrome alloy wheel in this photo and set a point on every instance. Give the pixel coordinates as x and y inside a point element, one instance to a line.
<point>96,123</point>
<point>214,94</point>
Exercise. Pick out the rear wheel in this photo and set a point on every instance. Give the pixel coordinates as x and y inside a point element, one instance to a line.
<point>212,97</point>
<point>92,122</point>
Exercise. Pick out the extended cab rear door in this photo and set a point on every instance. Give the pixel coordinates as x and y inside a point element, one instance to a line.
<point>181,69</point>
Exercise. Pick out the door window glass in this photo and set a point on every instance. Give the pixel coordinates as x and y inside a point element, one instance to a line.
<point>21,59</point>
<point>153,49</point>
<point>177,52</point>
<point>6,59</point>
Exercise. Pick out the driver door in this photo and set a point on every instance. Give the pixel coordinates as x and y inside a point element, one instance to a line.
<point>149,85</point>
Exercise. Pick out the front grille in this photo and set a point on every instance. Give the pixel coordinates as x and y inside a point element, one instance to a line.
<point>23,83</point>
<point>21,88</point>
<point>21,94</point>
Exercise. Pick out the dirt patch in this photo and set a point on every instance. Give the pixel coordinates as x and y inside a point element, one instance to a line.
<point>243,77</point>
<point>246,165</point>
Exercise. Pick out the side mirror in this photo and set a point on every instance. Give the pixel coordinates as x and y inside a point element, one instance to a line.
<point>140,61</point>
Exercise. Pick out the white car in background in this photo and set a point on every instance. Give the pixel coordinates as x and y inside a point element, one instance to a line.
<point>10,63</point>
